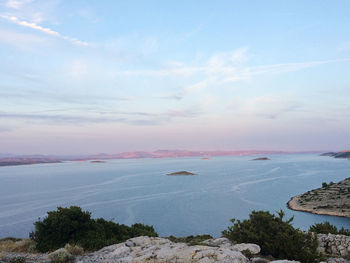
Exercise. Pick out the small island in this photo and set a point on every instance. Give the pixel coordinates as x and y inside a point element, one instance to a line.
<point>261,159</point>
<point>182,173</point>
<point>97,161</point>
<point>331,199</point>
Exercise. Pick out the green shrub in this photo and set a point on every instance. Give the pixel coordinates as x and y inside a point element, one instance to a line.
<point>138,229</point>
<point>76,227</point>
<point>328,228</point>
<point>275,236</point>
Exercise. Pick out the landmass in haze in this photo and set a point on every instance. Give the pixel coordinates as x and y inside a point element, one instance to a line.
<point>9,159</point>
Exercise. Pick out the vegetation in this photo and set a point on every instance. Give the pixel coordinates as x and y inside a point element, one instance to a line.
<point>10,244</point>
<point>61,256</point>
<point>74,250</point>
<point>76,227</point>
<point>275,236</point>
<point>190,240</point>
<point>75,230</point>
<point>325,185</point>
<point>326,227</point>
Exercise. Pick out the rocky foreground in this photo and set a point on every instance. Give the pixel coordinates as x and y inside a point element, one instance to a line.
<point>158,250</point>
<point>162,250</point>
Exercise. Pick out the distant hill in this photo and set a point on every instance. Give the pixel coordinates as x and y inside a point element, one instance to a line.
<point>177,153</point>
<point>342,154</point>
<point>26,160</point>
<point>11,159</point>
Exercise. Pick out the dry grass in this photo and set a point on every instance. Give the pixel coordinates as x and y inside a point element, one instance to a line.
<point>61,256</point>
<point>17,245</point>
<point>74,250</point>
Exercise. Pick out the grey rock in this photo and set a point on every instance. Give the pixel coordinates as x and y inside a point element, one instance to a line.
<point>160,250</point>
<point>252,248</point>
<point>218,242</point>
<point>259,260</point>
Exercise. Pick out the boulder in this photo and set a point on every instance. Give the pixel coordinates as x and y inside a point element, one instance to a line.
<point>252,248</point>
<point>218,242</point>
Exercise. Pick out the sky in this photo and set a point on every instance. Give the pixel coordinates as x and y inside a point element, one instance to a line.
<point>84,77</point>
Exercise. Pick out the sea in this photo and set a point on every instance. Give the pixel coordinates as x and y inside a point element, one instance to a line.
<point>139,190</point>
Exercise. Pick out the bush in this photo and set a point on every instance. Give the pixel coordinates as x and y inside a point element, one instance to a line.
<point>138,229</point>
<point>74,250</point>
<point>328,228</point>
<point>325,185</point>
<point>74,226</point>
<point>61,256</point>
<point>275,236</point>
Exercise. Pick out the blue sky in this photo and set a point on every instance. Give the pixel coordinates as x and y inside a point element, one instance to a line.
<point>111,76</point>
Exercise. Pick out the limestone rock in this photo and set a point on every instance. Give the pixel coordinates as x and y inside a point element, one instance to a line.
<point>259,260</point>
<point>252,248</point>
<point>218,242</point>
<point>160,250</point>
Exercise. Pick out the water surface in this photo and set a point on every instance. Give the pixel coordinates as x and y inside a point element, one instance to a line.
<point>138,190</point>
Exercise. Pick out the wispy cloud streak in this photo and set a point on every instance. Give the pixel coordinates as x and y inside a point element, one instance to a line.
<point>132,118</point>
<point>45,30</point>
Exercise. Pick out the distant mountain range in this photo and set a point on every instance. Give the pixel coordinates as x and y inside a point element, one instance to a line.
<point>11,159</point>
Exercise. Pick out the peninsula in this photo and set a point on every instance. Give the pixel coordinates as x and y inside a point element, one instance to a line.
<point>331,199</point>
<point>342,154</point>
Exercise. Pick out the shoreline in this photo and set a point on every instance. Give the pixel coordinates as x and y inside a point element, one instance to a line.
<point>292,204</point>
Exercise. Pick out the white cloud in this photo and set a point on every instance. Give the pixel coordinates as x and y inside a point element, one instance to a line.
<point>45,30</point>
<point>268,106</point>
<point>222,59</point>
<point>224,67</point>
<point>17,4</point>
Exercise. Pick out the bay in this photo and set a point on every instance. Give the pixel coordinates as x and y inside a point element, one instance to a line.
<point>139,190</point>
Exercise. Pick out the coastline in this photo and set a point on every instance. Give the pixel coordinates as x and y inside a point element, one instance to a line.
<point>293,204</point>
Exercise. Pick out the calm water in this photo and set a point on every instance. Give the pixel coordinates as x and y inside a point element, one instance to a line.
<point>130,191</point>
